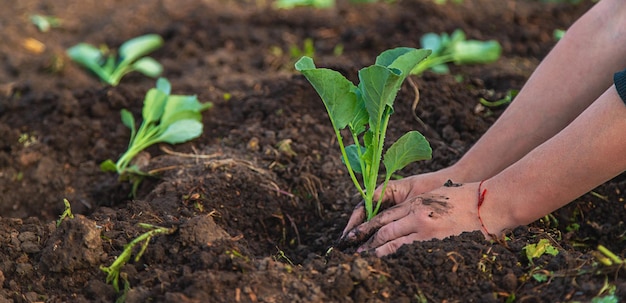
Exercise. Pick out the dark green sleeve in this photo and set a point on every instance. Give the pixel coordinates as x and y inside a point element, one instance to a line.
<point>620,84</point>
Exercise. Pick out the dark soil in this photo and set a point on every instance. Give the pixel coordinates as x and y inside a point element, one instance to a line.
<point>259,198</point>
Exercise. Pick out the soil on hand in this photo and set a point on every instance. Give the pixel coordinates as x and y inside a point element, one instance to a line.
<point>257,201</point>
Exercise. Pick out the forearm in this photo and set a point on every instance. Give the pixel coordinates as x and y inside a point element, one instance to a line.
<point>585,154</point>
<point>574,74</point>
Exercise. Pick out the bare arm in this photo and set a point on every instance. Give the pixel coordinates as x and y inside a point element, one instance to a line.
<point>573,75</point>
<point>585,154</point>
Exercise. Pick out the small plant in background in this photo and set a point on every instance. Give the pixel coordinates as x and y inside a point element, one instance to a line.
<point>441,2</point>
<point>365,110</point>
<point>113,271</point>
<point>45,23</point>
<point>289,4</point>
<point>455,48</point>
<point>130,57</point>
<point>508,98</point>
<point>534,251</point>
<point>607,257</point>
<point>308,49</point>
<point>67,213</point>
<point>167,118</point>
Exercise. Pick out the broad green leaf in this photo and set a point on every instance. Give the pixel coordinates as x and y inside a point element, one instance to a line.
<point>180,115</point>
<point>352,151</point>
<point>403,59</point>
<point>108,166</point>
<point>85,53</point>
<point>336,92</point>
<point>176,104</point>
<point>148,67</point>
<point>378,86</point>
<point>164,85</point>
<point>409,60</point>
<point>409,148</point>
<point>90,57</point>
<point>135,48</point>
<point>360,117</point>
<point>181,131</point>
<point>153,105</point>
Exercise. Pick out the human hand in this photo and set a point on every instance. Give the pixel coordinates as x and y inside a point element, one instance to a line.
<point>399,191</point>
<point>446,211</point>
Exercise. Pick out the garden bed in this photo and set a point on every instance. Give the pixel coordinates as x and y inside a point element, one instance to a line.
<point>256,202</point>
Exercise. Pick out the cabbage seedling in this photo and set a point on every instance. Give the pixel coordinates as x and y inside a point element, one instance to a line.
<point>455,49</point>
<point>365,110</point>
<point>110,68</point>
<point>167,118</point>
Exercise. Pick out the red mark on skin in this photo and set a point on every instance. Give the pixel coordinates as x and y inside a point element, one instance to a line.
<point>481,199</point>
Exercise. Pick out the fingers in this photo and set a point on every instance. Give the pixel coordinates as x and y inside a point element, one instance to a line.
<point>392,235</point>
<point>380,220</point>
<point>392,246</point>
<point>357,217</point>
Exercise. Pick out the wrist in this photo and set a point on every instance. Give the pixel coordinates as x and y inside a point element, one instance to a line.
<point>494,209</point>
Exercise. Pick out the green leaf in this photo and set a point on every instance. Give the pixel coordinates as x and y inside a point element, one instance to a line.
<point>352,151</point>
<point>181,131</point>
<point>360,116</point>
<point>176,104</point>
<point>409,148</point>
<point>476,52</point>
<point>135,48</point>
<point>164,85</point>
<point>403,59</point>
<point>108,166</point>
<point>148,67</point>
<point>88,56</point>
<point>180,115</point>
<point>431,41</point>
<point>378,88</point>
<point>537,250</point>
<point>337,92</point>
<point>153,105</point>
<point>85,54</point>
<point>127,119</point>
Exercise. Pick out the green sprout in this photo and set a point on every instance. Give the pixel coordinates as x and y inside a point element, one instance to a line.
<point>67,213</point>
<point>537,250</point>
<point>607,257</point>
<point>365,110</point>
<point>308,49</point>
<point>109,68</point>
<point>45,23</point>
<point>289,4</point>
<point>113,271</point>
<point>508,98</point>
<point>455,49</point>
<point>167,118</point>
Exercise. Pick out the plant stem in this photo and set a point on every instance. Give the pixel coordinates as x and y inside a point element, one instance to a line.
<point>379,142</point>
<point>347,161</point>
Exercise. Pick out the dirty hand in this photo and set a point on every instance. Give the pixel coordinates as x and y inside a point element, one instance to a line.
<point>446,211</point>
<point>399,191</point>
